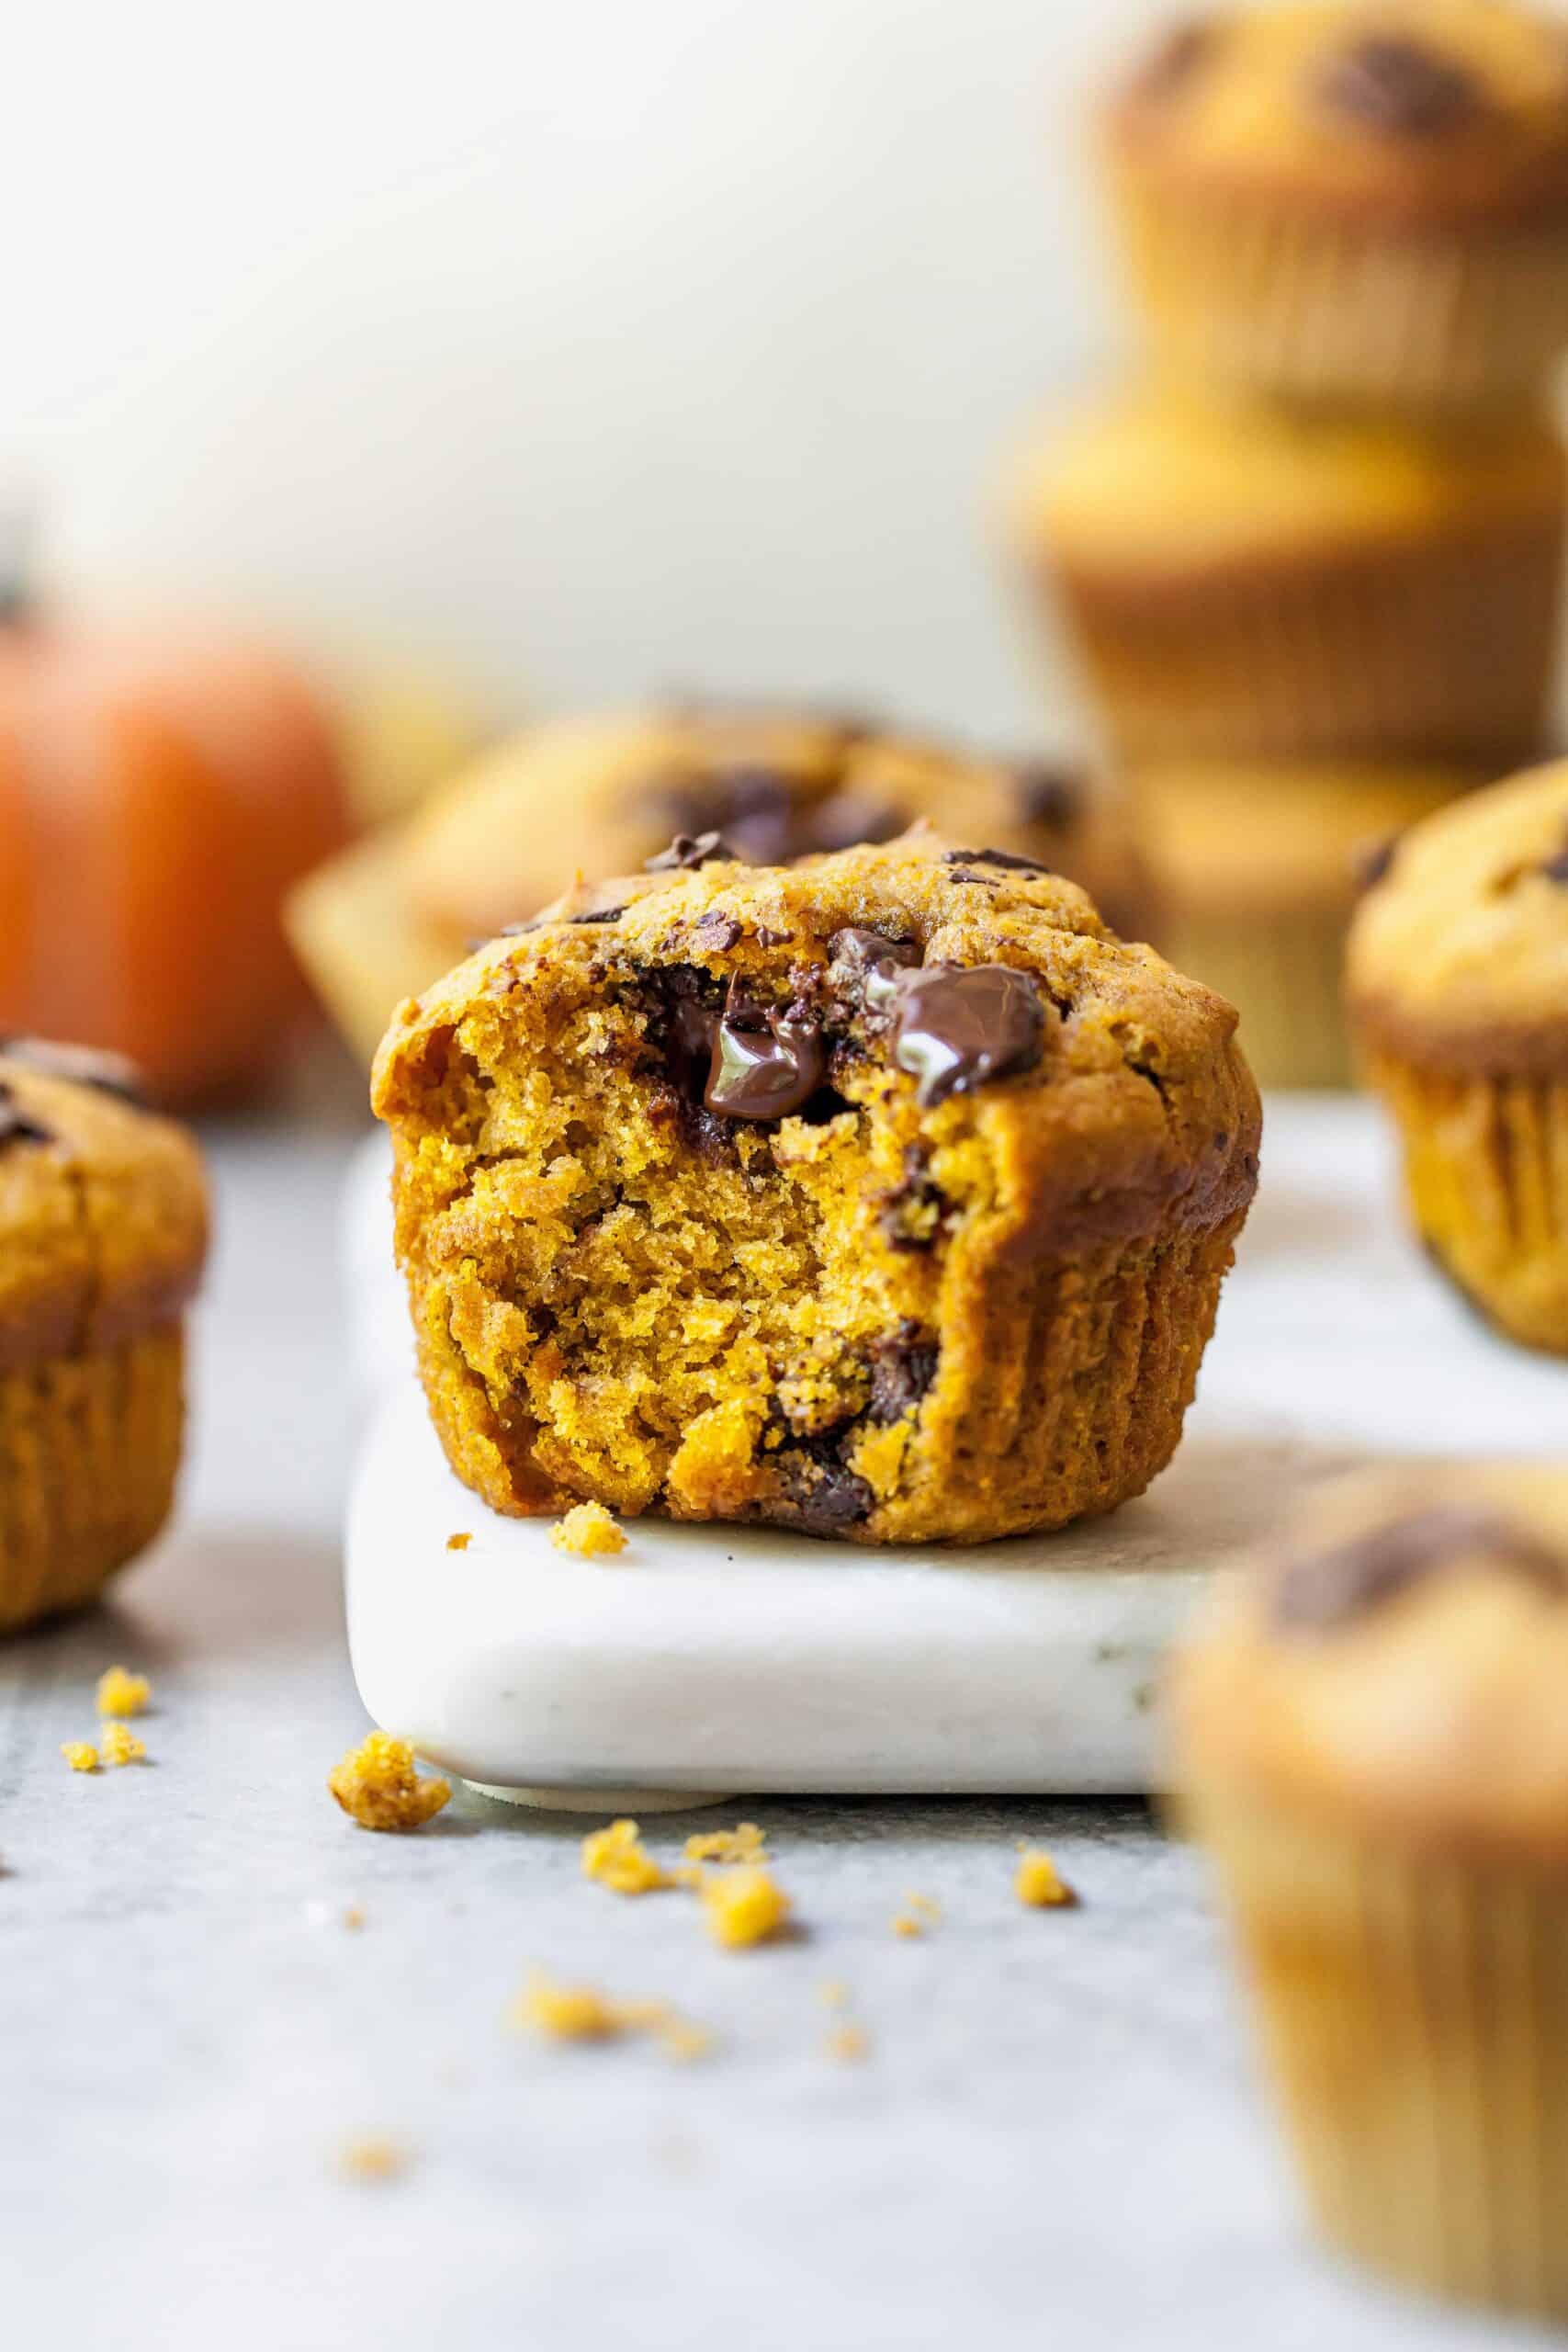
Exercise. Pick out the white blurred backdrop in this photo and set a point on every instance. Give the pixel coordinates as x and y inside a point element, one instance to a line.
<point>591,346</point>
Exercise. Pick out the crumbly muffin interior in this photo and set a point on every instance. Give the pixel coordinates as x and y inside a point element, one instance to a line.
<point>672,1307</point>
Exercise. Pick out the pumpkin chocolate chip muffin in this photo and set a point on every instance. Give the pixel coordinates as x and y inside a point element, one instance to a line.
<point>1457,991</point>
<point>1355,201</point>
<point>1371,1741</point>
<point>599,795</point>
<point>103,1211</point>
<point>1246,582</point>
<point>888,1195</point>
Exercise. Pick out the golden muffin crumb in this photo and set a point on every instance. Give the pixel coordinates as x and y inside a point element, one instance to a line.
<point>919,1912</point>
<point>588,1528</point>
<point>745,1843</point>
<point>377,1783</point>
<point>744,1905</point>
<point>118,1745</point>
<point>848,2045</point>
<point>1037,1880</point>
<point>581,2013</point>
<point>81,1755</point>
<point>834,1993</point>
<point>460,1542</point>
<point>121,1693</point>
<point>373,2159</point>
<point>617,1859</point>
<point>354,1916</point>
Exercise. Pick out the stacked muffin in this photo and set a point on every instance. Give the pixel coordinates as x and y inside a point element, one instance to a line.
<point>1310,563</point>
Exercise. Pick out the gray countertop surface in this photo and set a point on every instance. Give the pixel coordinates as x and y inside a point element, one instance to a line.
<point>1052,2138</point>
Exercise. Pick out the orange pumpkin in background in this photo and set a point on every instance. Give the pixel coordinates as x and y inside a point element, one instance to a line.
<point>158,794</point>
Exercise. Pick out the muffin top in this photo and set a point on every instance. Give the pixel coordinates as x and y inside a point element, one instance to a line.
<point>1112,1085</point>
<point>1412,114</point>
<point>1398,1662</point>
<point>103,1205</point>
<point>600,795</point>
<point>1156,478</point>
<point>1290,835</point>
<point>1459,956</point>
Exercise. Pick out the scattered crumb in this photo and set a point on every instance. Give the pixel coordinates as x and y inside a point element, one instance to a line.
<point>744,1905</point>
<point>744,1843</point>
<point>588,1528</point>
<point>848,2045</point>
<point>1037,1880</point>
<point>81,1755</point>
<point>834,1993</point>
<point>616,1857</point>
<point>354,1916</point>
<point>373,2159</point>
<point>119,1745</point>
<point>378,1784</point>
<point>460,1542</point>
<point>121,1693</point>
<point>581,2013</point>
<point>919,1913</point>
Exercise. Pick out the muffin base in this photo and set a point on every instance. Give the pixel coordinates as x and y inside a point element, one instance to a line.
<point>1486,1176</point>
<point>89,1451</point>
<point>1282,970</point>
<point>1414,2019</point>
<point>1437,650</point>
<point>1252,296</point>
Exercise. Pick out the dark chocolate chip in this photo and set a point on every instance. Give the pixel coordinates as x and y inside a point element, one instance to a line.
<point>716,933</point>
<point>1371,863</point>
<point>511,931</point>
<point>754,808</point>
<point>816,1493</point>
<point>1555,868</point>
<point>903,1368</point>
<point>956,1026</point>
<point>1319,1593</point>
<point>991,857</point>
<point>114,1074</point>
<point>866,966</point>
<point>911,1215</point>
<point>688,849</point>
<point>1176,59</point>
<point>765,1063</point>
<point>986,881</point>
<point>599,914</point>
<point>1387,82</point>
<point>14,1126</point>
<point>1047,796</point>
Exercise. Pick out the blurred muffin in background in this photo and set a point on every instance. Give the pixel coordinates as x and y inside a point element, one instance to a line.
<point>405,725</point>
<point>1249,582</point>
<point>159,793</point>
<point>103,1234</point>
<point>1458,989</point>
<point>1370,1741</point>
<point>1355,201</point>
<point>1258,867</point>
<point>601,796</point>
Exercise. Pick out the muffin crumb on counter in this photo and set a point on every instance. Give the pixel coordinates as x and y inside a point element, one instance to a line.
<point>374,2158</point>
<point>81,1755</point>
<point>745,1843</point>
<point>616,1857</point>
<point>1038,1884</point>
<point>121,1693</point>
<point>377,1784</point>
<point>459,1542</point>
<point>848,2045</point>
<point>921,1913</point>
<point>118,1745</point>
<point>745,1905</point>
<point>589,1530</point>
<point>581,2013</point>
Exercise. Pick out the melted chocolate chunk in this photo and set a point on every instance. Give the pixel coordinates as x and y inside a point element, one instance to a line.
<point>716,933</point>
<point>113,1074</point>
<point>955,1026</point>
<point>755,809</point>
<point>1047,797</point>
<point>766,1064</point>
<point>1389,82</point>
<point>816,1493</point>
<point>1320,1593</point>
<point>866,967</point>
<point>848,818</point>
<point>1006,857</point>
<point>902,1370</point>
<point>14,1126</point>
<point>911,1215</point>
<point>688,849</point>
